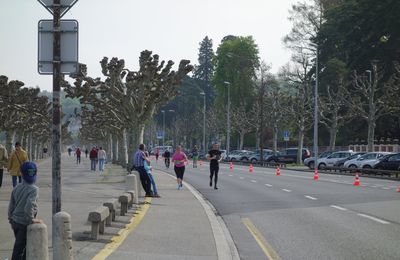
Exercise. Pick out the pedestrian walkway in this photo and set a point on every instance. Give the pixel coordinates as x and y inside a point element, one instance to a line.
<point>174,227</point>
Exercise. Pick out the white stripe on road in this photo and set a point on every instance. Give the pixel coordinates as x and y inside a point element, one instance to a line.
<point>241,178</point>
<point>253,181</point>
<point>309,197</point>
<point>373,218</point>
<point>286,190</point>
<point>385,188</point>
<point>374,186</point>
<point>230,175</point>
<point>268,185</point>
<point>339,208</point>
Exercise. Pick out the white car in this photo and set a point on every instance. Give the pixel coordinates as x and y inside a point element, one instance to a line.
<point>364,161</point>
<point>333,158</point>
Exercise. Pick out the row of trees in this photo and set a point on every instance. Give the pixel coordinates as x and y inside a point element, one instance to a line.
<point>24,116</point>
<point>358,53</point>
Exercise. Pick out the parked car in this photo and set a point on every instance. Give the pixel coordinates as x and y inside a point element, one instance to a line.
<point>234,153</point>
<point>257,155</point>
<point>341,162</point>
<point>310,161</point>
<point>223,154</point>
<point>330,160</point>
<point>236,156</point>
<point>369,164</point>
<point>246,156</point>
<point>289,156</point>
<point>389,162</point>
<point>363,160</point>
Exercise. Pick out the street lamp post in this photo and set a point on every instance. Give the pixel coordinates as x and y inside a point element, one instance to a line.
<point>369,148</point>
<point>163,137</point>
<point>316,113</point>
<point>204,120</point>
<point>228,131</point>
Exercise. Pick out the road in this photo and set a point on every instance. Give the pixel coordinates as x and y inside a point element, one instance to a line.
<point>294,217</point>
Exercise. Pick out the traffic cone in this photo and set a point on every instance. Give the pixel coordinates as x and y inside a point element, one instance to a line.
<point>316,175</point>
<point>357,180</point>
<point>398,189</point>
<point>201,163</point>
<point>278,171</point>
<point>251,168</point>
<point>231,166</point>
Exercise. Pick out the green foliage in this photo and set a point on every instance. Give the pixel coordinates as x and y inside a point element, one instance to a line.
<point>236,62</point>
<point>205,69</point>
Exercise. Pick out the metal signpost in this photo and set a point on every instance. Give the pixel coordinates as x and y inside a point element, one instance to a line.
<point>286,137</point>
<point>50,33</point>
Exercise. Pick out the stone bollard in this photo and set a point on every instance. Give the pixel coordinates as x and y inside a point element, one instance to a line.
<point>138,184</point>
<point>132,184</point>
<point>36,242</point>
<point>62,244</point>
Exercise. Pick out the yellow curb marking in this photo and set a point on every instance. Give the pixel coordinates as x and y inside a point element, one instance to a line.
<point>260,239</point>
<point>117,240</point>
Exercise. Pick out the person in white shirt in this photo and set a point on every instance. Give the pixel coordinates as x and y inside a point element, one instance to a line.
<point>101,156</point>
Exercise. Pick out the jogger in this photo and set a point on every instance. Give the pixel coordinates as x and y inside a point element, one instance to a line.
<point>179,159</point>
<point>214,156</point>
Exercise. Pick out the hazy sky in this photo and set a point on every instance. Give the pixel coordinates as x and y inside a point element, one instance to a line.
<point>123,28</point>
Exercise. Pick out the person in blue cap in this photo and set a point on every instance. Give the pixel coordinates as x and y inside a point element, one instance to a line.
<point>22,209</point>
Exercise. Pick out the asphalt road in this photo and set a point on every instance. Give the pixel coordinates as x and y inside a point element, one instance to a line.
<point>294,217</point>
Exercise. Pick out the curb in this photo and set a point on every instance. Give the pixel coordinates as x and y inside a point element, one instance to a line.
<point>226,248</point>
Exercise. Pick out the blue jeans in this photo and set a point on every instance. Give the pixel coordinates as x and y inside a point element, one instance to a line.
<point>93,164</point>
<point>101,164</point>
<point>14,180</point>
<point>153,183</point>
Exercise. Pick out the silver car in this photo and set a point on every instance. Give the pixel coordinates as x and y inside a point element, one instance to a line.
<point>333,158</point>
<point>363,160</point>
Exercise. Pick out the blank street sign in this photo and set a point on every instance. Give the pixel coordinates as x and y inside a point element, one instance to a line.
<point>69,47</point>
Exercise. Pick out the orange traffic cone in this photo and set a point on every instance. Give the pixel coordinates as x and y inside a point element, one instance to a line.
<point>201,163</point>
<point>278,171</point>
<point>251,168</point>
<point>398,189</point>
<point>356,180</point>
<point>231,166</point>
<point>316,177</point>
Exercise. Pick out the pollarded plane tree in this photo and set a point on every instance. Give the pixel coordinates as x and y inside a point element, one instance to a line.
<point>131,96</point>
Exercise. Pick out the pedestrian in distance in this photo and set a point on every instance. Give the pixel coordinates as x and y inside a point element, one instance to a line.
<point>179,159</point>
<point>214,156</point>
<point>157,154</point>
<point>167,158</point>
<point>93,159</point>
<point>101,156</point>
<point>149,170</point>
<point>195,154</point>
<point>17,158</point>
<point>22,209</point>
<point>78,155</point>
<point>86,152</point>
<point>138,161</point>
<point>3,161</point>
<point>69,151</point>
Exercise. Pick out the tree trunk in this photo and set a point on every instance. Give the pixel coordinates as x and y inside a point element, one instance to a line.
<point>241,140</point>
<point>300,145</point>
<point>124,159</point>
<point>110,147</point>
<point>275,138</point>
<point>371,131</point>
<point>10,135</point>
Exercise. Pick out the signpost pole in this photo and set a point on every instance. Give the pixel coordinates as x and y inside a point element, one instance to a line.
<point>56,127</point>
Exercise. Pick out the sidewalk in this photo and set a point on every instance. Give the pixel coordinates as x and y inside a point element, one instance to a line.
<point>175,226</point>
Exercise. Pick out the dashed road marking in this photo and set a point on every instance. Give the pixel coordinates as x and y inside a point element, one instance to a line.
<point>268,185</point>
<point>309,197</point>
<point>230,175</point>
<point>338,207</point>
<point>286,190</point>
<point>241,178</point>
<point>373,218</point>
<point>254,181</point>
<point>385,188</point>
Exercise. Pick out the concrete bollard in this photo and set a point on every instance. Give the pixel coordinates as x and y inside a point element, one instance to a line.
<point>36,242</point>
<point>132,184</point>
<point>62,244</point>
<point>138,185</point>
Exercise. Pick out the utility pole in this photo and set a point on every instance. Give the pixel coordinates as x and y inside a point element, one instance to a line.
<point>228,131</point>
<point>204,120</point>
<point>262,91</point>
<point>316,113</point>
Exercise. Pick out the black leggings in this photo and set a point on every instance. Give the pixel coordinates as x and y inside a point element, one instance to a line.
<point>179,171</point>
<point>167,162</point>
<point>214,171</point>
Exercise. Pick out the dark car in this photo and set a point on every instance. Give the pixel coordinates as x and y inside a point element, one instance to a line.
<point>389,162</point>
<point>289,156</point>
<point>341,162</point>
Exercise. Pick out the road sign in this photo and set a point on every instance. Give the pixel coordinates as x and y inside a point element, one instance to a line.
<point>69,46</point>
<point>160,134</point>
<point>65,5</point>
<point>286,136</point>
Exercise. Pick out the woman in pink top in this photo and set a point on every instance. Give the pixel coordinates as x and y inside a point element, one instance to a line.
<point>179,159</point>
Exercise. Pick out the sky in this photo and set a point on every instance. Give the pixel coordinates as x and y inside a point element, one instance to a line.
<point>123,28</point>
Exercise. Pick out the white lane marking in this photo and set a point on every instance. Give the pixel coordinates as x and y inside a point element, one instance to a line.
<point>385,188</point>
<point>373,218</point>
<point>241,178</point>
<point>286,190</point>
<point>374,186</point>
<point>268,185</point>
<point>253,181</point>
<point>309,197</point>
<point>337,207</point>
<point>230,175</point>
